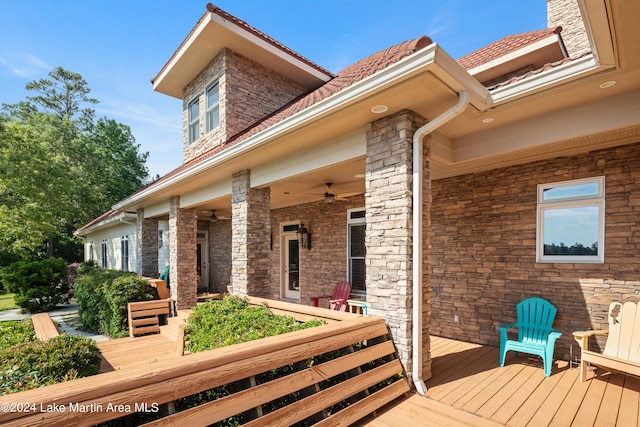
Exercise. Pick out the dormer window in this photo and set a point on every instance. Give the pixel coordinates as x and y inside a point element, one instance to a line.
<point>213,107</point>
<point>194,120</point>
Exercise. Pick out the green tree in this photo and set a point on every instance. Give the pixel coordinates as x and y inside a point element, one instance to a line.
<point>59,167</point>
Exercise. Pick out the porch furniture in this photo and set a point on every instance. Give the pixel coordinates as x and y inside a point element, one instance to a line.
<point>160,285</point>
<point>338,299</point>
<point>622,350</point>
<point>144,316</point>
<point>358,305</point>
<point>44,326</point>
<point>535,333</point>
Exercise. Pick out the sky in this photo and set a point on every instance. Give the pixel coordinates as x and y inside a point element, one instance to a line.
<point>118,46</point>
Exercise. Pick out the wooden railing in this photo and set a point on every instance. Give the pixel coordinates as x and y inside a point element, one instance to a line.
<point>337,373</point>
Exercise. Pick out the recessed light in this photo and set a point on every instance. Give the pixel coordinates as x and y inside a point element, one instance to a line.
<point>488,120</point>
<point>607,84</point>
<point>360,175</point>
<point>379,109</point>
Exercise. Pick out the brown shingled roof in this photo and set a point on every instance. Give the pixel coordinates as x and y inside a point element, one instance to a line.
<point>105,217</point>
<point>505,46</point>
<point>344,79</point>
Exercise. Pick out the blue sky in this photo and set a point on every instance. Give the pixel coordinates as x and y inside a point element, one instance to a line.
<point>119,45</point>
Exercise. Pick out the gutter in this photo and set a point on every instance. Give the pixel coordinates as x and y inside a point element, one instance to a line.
<point>416,330</point>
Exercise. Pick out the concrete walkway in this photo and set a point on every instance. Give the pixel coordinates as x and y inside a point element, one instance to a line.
<point>66,316</point>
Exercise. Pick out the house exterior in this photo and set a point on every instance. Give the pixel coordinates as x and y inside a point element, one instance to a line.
<point>445,191</point>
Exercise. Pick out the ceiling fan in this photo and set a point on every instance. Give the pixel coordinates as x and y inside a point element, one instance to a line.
<point>330,197</point>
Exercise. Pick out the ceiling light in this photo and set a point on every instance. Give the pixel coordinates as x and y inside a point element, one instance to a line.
<point>379,109</point>
<point>607,84</point>
<point>488,120</point>
<point>359,175</point>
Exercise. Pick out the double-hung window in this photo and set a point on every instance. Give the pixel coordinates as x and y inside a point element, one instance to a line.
<point>356,250</point>
<point>193,113</point>
<point>103,253</point>
<point>571,221</point>
<point>124,253</point>
<point>213,107</point>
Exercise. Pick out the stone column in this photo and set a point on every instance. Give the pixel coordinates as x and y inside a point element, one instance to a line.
<point>250,228</point>
<point>183,277</point>
<point>388,201</point>
<point>147,247</point>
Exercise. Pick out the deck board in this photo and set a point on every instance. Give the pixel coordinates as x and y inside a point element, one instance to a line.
<point>469,388</point>
<point>124,353</point>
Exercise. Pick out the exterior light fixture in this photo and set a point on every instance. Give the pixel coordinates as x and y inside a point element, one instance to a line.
<point>379,109</point>
<point>304,237</point>
<point>607,84</point>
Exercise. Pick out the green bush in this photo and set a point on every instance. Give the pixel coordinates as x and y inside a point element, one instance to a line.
<point>14,332</point>
<point>37,285</point>
<point>122,291</point>
<point>233,320</point>
<point>102,297</point>
<point>39,363</point>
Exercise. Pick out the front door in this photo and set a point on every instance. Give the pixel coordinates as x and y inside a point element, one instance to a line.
<point>202,253</point>
<point>290,270</point>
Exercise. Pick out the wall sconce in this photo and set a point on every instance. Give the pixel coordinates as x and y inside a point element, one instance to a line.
<point>304,237</point>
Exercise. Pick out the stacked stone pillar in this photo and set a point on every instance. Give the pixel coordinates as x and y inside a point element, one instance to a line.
<point>388,201</point>
<point>147,247</point>
<point>250,234</point>
<point>183,277</point>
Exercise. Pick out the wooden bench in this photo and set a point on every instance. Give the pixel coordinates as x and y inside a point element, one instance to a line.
<point>160,285</point>
<point>144,316</point>
<point>622,350</point>
<point>44,326</point>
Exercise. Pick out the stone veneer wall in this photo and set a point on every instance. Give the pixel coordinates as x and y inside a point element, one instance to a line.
<point>566,14</point>
<point>248,92</point>
<point>249,237</point>
<point>183,276</point>
<point>389,229</point>
<point>214,70</point>
<point>219,255</point>
<point>147,247</point>
<point>484,248</point>
<point>325,264</point>
<point>254,92</point>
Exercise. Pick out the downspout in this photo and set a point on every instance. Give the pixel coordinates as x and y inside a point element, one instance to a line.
<point>443,118</point>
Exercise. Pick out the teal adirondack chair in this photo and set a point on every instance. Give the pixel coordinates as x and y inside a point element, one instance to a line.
<point>535,332</point>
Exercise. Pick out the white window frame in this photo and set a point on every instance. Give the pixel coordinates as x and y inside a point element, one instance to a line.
<point>193,127</point>
<point>124,253</point>
<point>577,201</point>
<point>211,109</point>
<point>104,257</point>
<point>350,222</point>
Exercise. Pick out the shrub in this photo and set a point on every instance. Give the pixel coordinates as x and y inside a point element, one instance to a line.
<point>39,363</point>
<point>37,285</point>
<point>13,332</point>
<point>102,297</point>
<point>118,294</point>
<point>233,320</point>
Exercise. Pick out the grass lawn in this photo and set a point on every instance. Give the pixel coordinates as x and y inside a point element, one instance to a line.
<point>7,302</point>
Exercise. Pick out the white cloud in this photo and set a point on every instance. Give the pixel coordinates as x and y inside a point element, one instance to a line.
<point>25,65</point>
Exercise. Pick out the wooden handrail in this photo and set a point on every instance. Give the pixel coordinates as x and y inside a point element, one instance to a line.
<point>173,379</point>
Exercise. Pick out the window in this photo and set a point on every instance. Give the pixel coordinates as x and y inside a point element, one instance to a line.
<point>356,250</point>
<point>571,221</point>
<point>160,239</point>
<point>194,120</point>
<point>90,251</point>
<point>103,249</point>
<point>213,110</point>
<point>124,253</point>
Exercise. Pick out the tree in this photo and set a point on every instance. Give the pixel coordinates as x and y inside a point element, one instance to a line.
<point>59,167</point>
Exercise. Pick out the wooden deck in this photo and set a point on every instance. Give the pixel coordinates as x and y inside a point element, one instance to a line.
<point>469,388</point>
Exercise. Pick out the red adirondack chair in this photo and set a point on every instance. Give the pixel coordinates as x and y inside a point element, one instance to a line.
<point>338,299</point>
